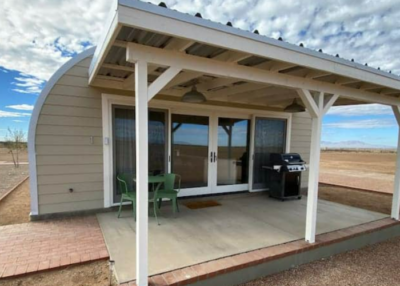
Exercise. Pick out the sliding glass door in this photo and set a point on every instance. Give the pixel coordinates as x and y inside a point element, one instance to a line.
<point>269,137</point>
<point>124,144</point>
<point>210,152</point>
<point>190,151</point>
<point>232,148</point>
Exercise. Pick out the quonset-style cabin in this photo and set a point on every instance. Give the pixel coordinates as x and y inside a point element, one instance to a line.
<point>168,92</point>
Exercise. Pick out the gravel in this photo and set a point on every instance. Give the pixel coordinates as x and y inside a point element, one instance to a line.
<point>376,265</point>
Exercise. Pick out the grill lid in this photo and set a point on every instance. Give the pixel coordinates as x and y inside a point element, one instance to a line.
<point>286,159</point>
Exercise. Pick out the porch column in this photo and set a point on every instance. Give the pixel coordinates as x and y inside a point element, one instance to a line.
<point>396,191</point>
<point>317,108</point>
<point>142,220</point>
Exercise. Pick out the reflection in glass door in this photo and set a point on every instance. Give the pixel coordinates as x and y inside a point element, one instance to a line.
<point>269,137</point>
<point>189,149</point>
<point>233,151</point>
<point>124,144</point>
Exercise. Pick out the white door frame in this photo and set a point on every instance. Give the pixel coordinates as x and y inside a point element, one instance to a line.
<point>108,100</point>
<point>214,183</point>
<point>172,107</point>
<point>199,190</point>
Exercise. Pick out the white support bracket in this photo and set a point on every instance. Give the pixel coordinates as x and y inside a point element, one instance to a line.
<point>317,109</point>
<point>396,190</point>
<point>309,102</point>
<point>162,81</point>
<point>330,102</point>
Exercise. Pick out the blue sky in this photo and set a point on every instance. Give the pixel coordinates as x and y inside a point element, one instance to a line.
<point>34,46</point>
<point>14,106</point>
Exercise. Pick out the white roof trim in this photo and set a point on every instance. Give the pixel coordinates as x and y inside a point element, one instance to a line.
<point>106,35</point>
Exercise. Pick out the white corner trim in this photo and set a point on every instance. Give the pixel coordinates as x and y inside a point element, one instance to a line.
<point>34,119</point>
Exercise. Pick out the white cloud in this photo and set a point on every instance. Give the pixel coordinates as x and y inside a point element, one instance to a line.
<point>27,84</point>
<point>36,37</point>
<point>362,124</point>
<point>21,107</point>
<point>10,114</point>
<point>361,110</point>
<point>19,121</point>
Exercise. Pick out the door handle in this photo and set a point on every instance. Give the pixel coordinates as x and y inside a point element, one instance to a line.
<point>215,156</point>
<point>211,157</point>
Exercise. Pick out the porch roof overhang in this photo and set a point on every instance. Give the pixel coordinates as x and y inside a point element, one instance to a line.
<point>228,64</point>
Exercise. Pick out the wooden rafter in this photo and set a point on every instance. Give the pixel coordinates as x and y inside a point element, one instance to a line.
<point>177,44</point>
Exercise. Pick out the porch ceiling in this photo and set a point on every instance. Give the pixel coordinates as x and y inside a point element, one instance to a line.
<point>110,68</point>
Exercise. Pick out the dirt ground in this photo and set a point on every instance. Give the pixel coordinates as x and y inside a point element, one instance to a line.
<point>373,201</point>
<point>375,265</point>
<point>15,207</point>
<point>6,157</point>
<point>363,170</point>
<point>11,176</point>
<point>95,273</point>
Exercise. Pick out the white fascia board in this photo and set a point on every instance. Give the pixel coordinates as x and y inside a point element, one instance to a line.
<point>166,21</point>
<point>107,36</point>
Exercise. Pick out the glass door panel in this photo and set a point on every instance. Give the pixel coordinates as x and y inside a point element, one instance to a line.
<point>269,137</point>
<point>233,151</point>
<point>190,149</point>
<point>124,144</point>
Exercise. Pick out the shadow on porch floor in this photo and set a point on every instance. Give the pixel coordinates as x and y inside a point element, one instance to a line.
<point>242,223</point>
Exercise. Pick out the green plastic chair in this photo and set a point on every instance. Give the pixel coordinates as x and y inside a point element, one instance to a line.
<point>153,201</point>
<point>169,191</point>
<point>123,180</point>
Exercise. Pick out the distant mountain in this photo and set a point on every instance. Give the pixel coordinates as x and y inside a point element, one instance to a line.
<point>352,145</point>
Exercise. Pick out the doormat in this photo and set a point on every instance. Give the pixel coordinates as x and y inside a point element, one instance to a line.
<point>201,204</point>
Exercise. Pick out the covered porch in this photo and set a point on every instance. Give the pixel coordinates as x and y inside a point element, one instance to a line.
<point>152,57</point>
<point>241,223</point>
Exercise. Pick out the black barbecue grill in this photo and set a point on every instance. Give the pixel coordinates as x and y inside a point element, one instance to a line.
<point>284,175</point>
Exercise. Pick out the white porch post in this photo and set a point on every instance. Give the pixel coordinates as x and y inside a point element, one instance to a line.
<point>396,190</point>
<point>143,94</point>
<point>142,220</point>
<point>317,110</point>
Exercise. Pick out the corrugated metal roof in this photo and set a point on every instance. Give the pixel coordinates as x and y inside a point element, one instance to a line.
<point>117,56</point>
<point>142,37</point>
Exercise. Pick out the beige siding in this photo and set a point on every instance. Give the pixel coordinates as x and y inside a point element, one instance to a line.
<point>301,140</point>
<point>69,150</point>
<point>70,206</point>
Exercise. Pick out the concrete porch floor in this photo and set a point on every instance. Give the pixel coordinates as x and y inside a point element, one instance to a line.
<point>242,223</point>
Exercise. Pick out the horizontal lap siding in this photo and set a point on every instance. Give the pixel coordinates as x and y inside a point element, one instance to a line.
<point>69,151</point>
<point>301,140</point>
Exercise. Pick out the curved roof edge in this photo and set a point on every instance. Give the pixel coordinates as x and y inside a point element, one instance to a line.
<point>34,119</point>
